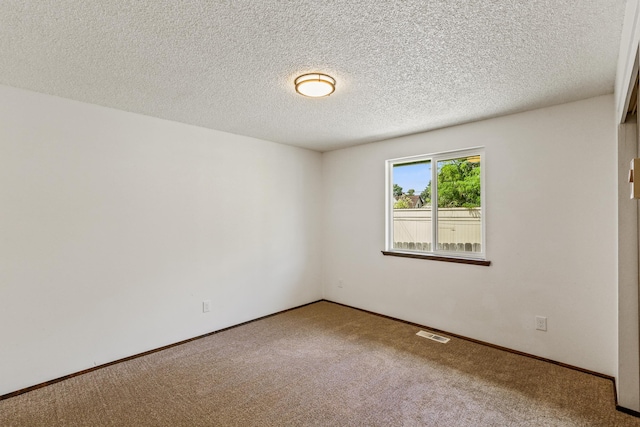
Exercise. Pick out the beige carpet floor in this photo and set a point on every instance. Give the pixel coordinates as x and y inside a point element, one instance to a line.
<point>323,365</point>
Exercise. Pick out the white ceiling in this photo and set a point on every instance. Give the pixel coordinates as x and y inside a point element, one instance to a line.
<point>401,66</point>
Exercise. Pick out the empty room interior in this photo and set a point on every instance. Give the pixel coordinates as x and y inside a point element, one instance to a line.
<point>260,181</point>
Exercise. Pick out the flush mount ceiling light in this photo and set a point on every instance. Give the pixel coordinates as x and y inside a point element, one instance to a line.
<point>315,85</point>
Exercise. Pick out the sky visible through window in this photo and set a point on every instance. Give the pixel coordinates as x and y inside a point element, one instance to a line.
<point>413,175</point>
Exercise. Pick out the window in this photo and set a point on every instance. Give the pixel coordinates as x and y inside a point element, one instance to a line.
<point>435,205</point>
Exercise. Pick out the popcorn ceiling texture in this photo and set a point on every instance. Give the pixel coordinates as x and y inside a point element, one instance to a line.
<point>401,66</point>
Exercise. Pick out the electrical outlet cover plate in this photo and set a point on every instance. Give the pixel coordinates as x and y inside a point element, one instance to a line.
<point>541,323</point>
<point>206,306</point>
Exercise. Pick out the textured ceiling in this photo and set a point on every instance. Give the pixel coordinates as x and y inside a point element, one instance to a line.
<point>401,66</point>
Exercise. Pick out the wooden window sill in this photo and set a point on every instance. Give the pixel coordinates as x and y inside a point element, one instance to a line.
<point>438,258</point>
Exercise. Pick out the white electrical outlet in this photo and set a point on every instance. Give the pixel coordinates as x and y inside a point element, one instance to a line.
<point>206,306</point>
<point>541,323</point>
<point>341,283</point>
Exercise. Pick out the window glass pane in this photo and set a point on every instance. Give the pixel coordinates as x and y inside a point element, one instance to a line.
<point>459,206</point>
<point>412,206</point>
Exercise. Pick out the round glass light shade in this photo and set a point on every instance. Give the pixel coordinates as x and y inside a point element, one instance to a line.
<point>315,85</point>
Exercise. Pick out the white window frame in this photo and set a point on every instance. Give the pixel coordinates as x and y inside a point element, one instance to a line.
<point>435,158</point>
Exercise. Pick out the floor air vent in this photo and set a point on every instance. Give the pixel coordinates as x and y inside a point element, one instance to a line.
<point>434,337</point>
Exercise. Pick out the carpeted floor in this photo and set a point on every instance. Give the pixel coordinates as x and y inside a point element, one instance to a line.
<point>323,365</point>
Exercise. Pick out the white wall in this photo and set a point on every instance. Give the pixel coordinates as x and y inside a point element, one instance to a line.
<point>551,199</point>
<point>628,380</point>
<point>628,331</point>
<point>115,227</point>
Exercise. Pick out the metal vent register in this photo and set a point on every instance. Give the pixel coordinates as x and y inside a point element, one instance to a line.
<point>433,337</point>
